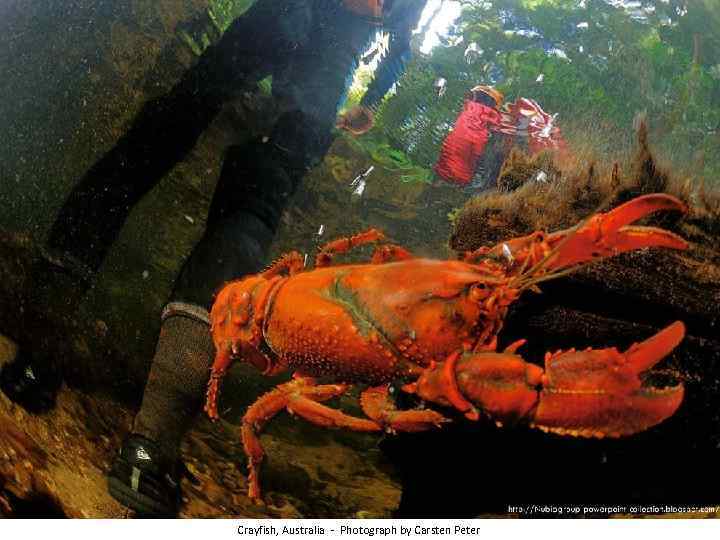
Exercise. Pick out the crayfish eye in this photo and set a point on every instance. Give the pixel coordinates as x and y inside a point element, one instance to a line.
<point>479,292</point>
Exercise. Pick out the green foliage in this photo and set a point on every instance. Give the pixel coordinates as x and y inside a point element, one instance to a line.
<point>600,66</point>
<point>200,34</point>
<point>386,156</point>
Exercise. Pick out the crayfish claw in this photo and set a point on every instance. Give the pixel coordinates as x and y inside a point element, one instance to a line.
<point>611,233</point>
<point>642,356</point>
<point>597,393</point>
<point>638,208</point>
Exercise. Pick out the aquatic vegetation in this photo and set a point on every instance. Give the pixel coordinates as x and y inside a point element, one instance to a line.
<point>453,215</point>
<point>201,33</point>
<point>396,161</point>
<point>339,167</point>
<point>577,187</point>
<point>265,85</point>
<point>390,158</point>
<point>519,168</point>
<point>224,12</point>
<point>381,323</point>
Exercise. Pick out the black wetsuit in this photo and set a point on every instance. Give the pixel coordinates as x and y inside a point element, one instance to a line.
<point>310,47</point>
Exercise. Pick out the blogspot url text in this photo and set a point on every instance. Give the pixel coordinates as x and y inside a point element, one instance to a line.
<point>589,510</point>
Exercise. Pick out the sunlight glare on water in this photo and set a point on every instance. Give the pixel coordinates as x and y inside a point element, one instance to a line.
<point>444,13</point>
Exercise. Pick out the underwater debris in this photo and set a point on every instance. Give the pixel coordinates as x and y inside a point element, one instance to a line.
<point>360,181</point>
<point>648,176</point>
<point>360,178</point>
<point>519,168</point>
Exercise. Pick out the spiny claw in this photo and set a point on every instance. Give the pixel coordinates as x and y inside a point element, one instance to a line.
<point>610,233</point>
<point>598,393</point>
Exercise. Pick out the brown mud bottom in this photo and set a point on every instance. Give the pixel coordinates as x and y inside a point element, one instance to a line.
<point>54,465</point>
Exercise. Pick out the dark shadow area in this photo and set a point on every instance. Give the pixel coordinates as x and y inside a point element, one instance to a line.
<point>38,506</point>
<point>468,469</point>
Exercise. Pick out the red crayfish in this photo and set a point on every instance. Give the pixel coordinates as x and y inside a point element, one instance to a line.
<point>431,326</point>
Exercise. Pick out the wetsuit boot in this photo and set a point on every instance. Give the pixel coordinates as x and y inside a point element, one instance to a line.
<point>252,192</point>
<point>146,475</point>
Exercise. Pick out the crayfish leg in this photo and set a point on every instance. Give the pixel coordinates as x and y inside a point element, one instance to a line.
<point>345,244</point>
<point>378,405</point>
<point>223,359</point>
<point>390,253</point>
<point>299,396</point>
<point>290,263</point>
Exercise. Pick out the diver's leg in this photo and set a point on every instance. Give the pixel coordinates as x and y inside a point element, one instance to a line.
<point>233,244</point>
<point>256,183</point>
<point>243,218</point>
<point>90,220</point>
<point>252,192</point>
<point>163,132</point>
<point>161,135</point>
<point>168,127</point>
